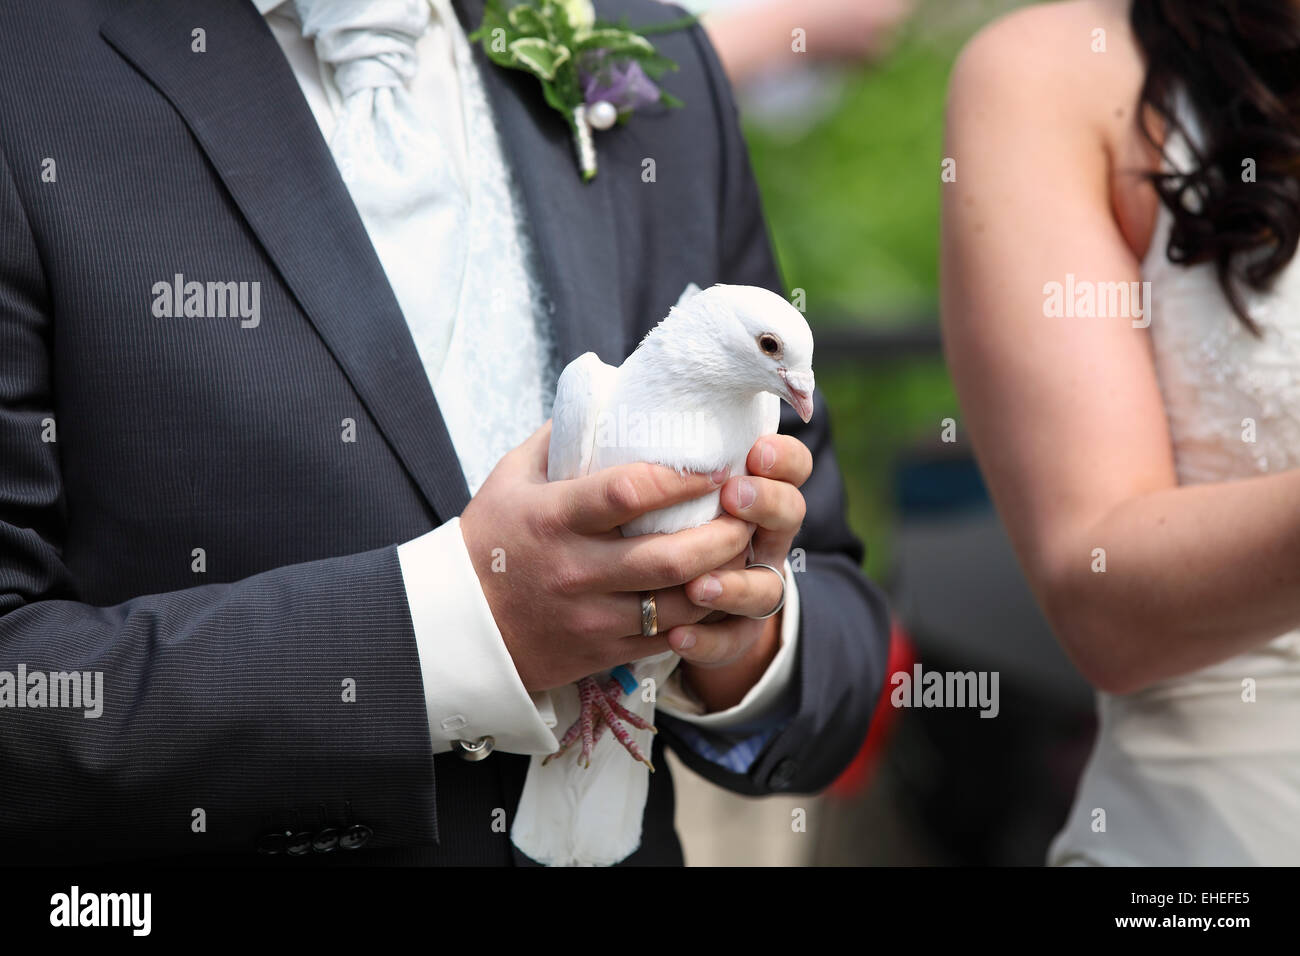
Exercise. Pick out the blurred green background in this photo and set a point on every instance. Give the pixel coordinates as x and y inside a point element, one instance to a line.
<point>853,204</point>
<point>849,164</point>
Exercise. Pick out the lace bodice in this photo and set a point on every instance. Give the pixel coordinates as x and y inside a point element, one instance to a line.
<point>1233,400</point>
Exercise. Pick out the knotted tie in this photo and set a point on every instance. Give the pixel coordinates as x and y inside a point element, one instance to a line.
<point>395,165</point>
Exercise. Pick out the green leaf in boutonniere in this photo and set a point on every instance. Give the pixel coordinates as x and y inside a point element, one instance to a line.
<point>539,56</point>
<point>615,42</point>
<point>594,73</point>
<point>529,22</point>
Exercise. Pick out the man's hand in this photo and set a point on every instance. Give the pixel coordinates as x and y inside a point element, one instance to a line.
<point>564,585</point>
<point>722,660</point>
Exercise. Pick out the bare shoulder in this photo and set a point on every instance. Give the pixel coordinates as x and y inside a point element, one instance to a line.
<point>1059,84</point>
<point>1073,62</point>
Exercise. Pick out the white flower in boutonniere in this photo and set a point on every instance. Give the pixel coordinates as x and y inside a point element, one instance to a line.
<point>581,13</point>
<point>594,73</point>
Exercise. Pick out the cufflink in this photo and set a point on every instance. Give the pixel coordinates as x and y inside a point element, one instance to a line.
<point>475,750</point>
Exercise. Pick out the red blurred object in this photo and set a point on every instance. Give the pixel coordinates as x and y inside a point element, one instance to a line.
<point>854,779</point>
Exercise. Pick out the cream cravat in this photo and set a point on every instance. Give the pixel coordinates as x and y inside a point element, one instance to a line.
<point>398,171</point>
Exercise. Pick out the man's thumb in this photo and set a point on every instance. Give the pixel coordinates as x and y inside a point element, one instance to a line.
<point>535,449</point>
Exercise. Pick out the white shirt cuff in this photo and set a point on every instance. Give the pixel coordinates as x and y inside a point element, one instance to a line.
<point>763,697</point>
<point>471,687</point>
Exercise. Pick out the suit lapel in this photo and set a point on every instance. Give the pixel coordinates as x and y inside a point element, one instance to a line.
<point>244,107</point>
<point>572,222</point>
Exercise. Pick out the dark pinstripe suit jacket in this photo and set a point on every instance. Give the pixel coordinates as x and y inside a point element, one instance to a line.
<point>223,686</point>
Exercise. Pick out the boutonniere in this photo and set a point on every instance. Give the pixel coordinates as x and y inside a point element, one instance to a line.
<point>594,73</point>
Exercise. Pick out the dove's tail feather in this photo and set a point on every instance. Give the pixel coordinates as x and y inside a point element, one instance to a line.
<point>572,815</point>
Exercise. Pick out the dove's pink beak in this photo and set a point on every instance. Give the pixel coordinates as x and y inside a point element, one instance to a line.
<point>799,392</point>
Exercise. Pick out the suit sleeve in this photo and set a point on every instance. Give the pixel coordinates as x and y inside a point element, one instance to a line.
<point>843,619</point>
<point>291,699</point>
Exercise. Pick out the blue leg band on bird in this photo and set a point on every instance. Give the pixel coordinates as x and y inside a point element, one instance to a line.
<point>625,677</point>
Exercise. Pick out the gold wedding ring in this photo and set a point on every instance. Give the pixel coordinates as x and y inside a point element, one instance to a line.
<point>649,615</point>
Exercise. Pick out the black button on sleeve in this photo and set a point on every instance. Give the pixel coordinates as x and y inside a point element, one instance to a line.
<point>327,841</point>
<point>355,837</point>
<point>273,844</point>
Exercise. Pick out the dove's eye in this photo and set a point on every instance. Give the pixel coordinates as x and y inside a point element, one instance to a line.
<point>770,344</point>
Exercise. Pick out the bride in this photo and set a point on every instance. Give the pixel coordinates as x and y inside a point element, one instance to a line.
<point>1144,455</point>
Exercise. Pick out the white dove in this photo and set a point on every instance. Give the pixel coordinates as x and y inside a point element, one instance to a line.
<point>699,390</point>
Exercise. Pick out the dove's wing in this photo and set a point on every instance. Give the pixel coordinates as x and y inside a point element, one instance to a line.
<point>690,292</point>
<point>548,827</point>
<point>581,394</point>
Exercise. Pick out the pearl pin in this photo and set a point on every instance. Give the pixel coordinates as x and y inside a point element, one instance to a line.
<point>602,114</point>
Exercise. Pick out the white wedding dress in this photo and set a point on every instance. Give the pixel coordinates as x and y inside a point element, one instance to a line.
<point>1187,772</point>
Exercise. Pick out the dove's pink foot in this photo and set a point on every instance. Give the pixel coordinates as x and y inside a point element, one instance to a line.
<point>601,709</point>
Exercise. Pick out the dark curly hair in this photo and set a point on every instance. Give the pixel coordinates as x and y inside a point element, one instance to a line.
<point>1237,62</point>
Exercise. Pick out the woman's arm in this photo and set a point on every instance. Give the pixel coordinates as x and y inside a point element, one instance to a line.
<point>1065,413</point>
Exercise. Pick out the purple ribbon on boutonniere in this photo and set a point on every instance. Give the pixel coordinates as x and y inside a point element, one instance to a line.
<point>621,83</point>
